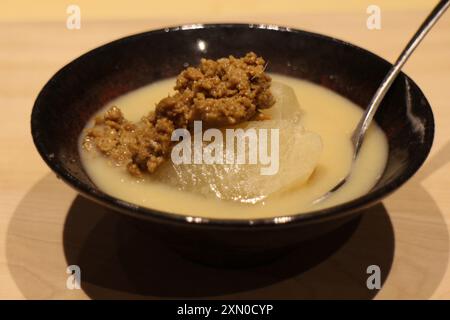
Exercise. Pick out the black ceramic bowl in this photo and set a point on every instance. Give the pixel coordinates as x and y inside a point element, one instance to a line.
<point>79,89</point>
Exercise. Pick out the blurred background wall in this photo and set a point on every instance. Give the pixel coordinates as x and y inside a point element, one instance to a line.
<point>198,10</point>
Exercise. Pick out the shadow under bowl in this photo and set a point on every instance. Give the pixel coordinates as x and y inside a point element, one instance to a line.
<point>85,85</point>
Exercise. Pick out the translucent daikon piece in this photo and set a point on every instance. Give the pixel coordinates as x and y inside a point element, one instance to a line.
<point>286,105</point>
<point>293,153</point>
<point>289,158</point>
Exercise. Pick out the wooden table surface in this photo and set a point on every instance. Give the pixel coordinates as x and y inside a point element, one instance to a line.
<point>45,226</point>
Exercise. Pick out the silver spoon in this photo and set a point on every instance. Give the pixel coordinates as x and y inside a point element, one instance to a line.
<point>365,121</point>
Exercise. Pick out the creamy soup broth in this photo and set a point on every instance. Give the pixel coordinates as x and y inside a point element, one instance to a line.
<point>330,115</point>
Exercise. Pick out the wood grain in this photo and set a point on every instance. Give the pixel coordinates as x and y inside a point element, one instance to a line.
<point>44,225</point>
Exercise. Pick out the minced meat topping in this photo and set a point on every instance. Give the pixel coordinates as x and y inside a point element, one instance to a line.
<point>220,92</point>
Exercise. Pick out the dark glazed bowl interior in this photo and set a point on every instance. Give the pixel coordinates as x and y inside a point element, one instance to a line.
<point>78,90</point>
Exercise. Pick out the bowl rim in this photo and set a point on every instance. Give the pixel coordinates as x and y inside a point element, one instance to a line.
<point>334,212</point>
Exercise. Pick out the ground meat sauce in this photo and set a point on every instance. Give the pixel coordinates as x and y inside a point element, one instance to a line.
<point>219,92</point>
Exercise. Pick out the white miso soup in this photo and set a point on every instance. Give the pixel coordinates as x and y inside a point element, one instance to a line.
<point>322,112</point>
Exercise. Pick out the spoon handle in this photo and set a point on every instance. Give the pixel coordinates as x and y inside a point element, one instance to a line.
<point>364,123</point>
